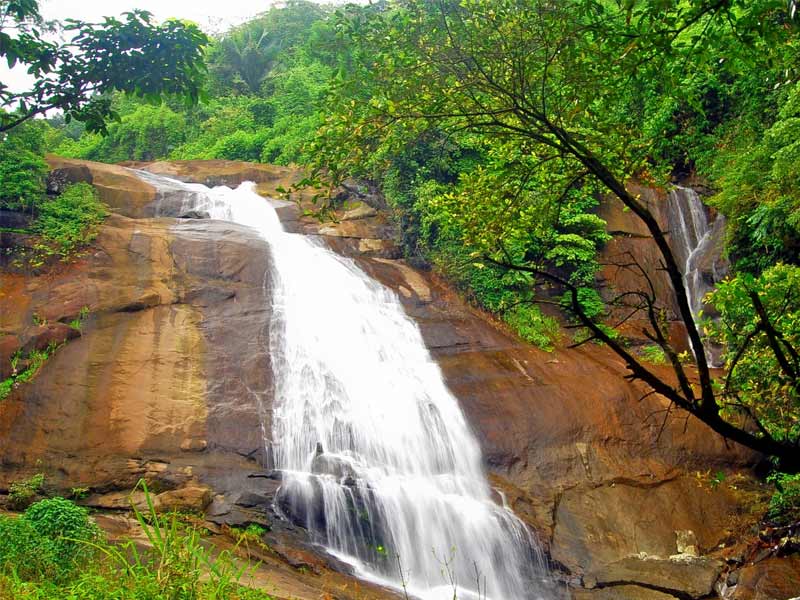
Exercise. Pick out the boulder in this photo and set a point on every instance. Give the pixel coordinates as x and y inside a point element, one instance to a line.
<point>776,578</point>
<point>621,592</point>
<point>120,188</point>
<point>690,576</point>
<point>192,498</point>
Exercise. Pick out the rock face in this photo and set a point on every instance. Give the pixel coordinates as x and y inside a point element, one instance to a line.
<point>170,380</point>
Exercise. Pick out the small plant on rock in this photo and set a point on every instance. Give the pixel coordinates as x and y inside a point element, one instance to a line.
<point>22,493</point>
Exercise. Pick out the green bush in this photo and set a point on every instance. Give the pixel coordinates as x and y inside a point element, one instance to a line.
<point>22,167</point>
<point>67,526</point>
<point>784,506</point>
<point>70,220</point>
<point>26,552</point>
<point>54,551</point>
<point>49,541</point>
<point>653,354</point>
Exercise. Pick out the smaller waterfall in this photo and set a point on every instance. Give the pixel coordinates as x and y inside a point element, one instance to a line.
<point>690,232</point>
<point>692,238</point>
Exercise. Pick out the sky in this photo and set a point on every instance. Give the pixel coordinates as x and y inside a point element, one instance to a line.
<point>213,16</point>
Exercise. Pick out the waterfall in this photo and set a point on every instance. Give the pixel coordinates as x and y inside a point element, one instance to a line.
<point>690,233</point>
<point>692,238</point>
<point>378,460</point>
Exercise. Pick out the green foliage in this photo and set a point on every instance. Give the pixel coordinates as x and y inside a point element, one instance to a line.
<point>758,176</point>
<point>243,58</point>
<point>22,493</point>
<point>22,168</point>
<point>77,322</point>
<point>761,347</point>
<point>653,354</point>
<point>71,220</point>
<point>509,294</point>
<point>784,506</point>
<point>67,527</point>
<point>145,132</point>
<point>25,552</point>
<point>54,551</point>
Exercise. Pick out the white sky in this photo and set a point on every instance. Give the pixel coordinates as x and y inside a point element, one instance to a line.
<point>213,16</point>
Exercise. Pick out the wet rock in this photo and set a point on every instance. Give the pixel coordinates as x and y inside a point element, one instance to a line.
<point>195,214</point>
<point>335,466</point>
<point>12,219</point>
<point>253,500</point>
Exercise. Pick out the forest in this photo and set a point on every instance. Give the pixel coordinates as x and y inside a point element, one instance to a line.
<point>493,129</point>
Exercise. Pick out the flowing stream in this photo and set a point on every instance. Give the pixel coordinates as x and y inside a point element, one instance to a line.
<point>378,461</point>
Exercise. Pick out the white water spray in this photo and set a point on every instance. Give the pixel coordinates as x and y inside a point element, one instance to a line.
<point>378,461</point>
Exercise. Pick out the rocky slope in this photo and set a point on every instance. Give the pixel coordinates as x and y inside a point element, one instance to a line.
<point>169,379</point>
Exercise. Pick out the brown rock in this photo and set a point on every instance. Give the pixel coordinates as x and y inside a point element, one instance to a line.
<point>47,335</point>
<point>149,377</point>
<point>192,498</point>
<point>772,579</point>
<point>597,526</point>
<point>359,211</point>
<point>621,592</point>
<point>691,576</point>
<point>118,187</point>
<point>9,345</point>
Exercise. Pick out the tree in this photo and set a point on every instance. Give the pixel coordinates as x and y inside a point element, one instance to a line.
<point>573,91</point>
<point>133,55</point>
<point>249,53</point>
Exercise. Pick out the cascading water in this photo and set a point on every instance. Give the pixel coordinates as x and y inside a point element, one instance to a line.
<point>378,461</point>
<point>690,231</point>
<point>691,237</point>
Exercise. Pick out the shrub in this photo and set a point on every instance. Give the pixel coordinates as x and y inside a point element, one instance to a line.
<point>71,220</point>
<point>68,528</point>
<point>784,506</point>
<point>24,551</point>
<point>22,167</point>
<point>653,354</point>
